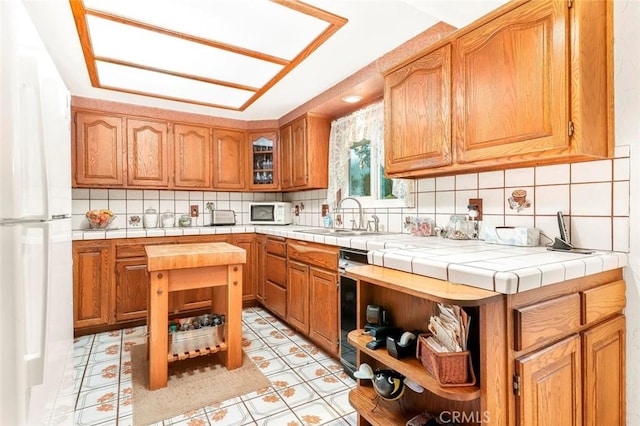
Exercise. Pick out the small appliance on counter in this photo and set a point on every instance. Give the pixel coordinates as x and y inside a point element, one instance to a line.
<point>270,213</point>
<point>222,217</point>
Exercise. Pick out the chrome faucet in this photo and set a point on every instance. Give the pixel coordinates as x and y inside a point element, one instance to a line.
<point>360,212</point>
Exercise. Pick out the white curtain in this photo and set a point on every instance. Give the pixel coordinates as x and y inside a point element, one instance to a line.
<point>366,123</point>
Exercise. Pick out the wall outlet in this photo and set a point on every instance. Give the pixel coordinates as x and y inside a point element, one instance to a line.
<point>478,203</point>
<point>325,209</point>
<point>194,210</point>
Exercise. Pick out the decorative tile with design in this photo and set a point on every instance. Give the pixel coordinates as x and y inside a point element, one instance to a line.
<point>312,370</point>
<point>339,401</point>
<point>273,365</point>
<point>298,359</point>
<point>276,338</point>
<point>104,352</point>
<point>285,379</point>
<point>265,405</point>
<point>191,418</point>
<point>108,337</point>
<point>252,345</point>
<point>298,394</point>
<point>98,381</point>
<point>258,393</point>
<point>107,369</point>
<point>262,354</point>
<point>284,418</point>
<point>259,324</point>
<point>287,348</point>
<point>349,381</point>
<point>235,414</point>
<point>134,332</point>
<point>96,414</point>
<point>327,385</point>
<point>316,413</point>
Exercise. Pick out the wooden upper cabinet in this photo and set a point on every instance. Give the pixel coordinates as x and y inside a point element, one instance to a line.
<point>264,160</point>
<point>99,151</point>
<point>511,84</point>
<point>229,159</point>
<point>418,113</point>
<point>148,154</point>
<point>305,152</point>
<point>192,157</point>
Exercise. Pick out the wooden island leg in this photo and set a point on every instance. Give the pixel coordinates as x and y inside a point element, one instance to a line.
<point>234,317</point>
<point>157,328</point>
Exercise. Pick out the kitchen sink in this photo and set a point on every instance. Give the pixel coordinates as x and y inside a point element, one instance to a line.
<point>339,232</point>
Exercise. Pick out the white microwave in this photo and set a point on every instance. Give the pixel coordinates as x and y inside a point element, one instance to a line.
<point>270,213</point>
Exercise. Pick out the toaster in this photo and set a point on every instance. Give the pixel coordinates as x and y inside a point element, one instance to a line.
<point>223,217</point>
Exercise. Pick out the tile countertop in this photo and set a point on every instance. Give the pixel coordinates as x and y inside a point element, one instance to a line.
<point>504,269</point>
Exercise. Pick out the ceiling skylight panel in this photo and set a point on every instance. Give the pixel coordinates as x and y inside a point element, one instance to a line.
<point>148,48</point>
<point>250,24</point>
<point>166,86</point>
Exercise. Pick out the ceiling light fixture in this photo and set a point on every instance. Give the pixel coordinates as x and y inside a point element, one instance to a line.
<point>352,99</point>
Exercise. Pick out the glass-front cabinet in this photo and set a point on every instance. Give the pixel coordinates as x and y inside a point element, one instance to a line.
<point>264,160</point>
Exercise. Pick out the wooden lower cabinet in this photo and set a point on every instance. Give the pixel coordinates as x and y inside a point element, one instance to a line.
<point>298,296</point>
<point>92,294</point>
<point>323,309</point>
<point>247,241</point>
<point>131,288</point>
<point>260,256</point>
<point>573,375</point>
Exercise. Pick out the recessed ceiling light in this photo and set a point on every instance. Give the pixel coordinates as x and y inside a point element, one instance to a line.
<point>352,99</point>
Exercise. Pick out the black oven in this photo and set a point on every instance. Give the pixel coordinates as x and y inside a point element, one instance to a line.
<point>348,298</point>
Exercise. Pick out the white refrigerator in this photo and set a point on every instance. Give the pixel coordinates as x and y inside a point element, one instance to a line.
<point>36,287</point>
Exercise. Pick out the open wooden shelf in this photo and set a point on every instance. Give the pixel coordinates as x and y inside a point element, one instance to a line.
<point>386,413</point>
<point>171,357</point>
<point>413,368</point>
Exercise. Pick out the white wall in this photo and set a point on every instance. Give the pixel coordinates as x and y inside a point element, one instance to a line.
<point>627,106</point>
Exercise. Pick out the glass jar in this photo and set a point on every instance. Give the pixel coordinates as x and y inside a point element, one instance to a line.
<point>459,228</point>
<point>168,219</point>
<point>185,220</point>
<point>150,219</point>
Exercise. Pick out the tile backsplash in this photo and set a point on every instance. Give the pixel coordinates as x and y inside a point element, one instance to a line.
<point>593,196</point>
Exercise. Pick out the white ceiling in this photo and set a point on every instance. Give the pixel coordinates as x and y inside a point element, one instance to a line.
<point>374,28</point>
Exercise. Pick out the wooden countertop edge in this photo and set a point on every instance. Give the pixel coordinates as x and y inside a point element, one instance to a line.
<point>192,255</point>
<point>424,287</point>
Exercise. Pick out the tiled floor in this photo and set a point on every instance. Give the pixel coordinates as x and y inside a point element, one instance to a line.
<point>307,386</point>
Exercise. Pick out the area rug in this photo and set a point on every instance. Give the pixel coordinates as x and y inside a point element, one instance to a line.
<point>193,383</point>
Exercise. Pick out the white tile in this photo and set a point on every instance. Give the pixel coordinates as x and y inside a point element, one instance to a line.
<point>621,234</point>
<point>491,179</point>
<point>573,268</point>
<point>621,169</point>
<point>551,199</point>
<point>492,201</point>
<point>519,177</point>
<point>428,184</point>
<point>591,171</point>
<point>99,194</point>
<point>520,220</point>
<point>506,282</point>
<point>552,273</point>
<point>134,194</point>
<point>549,226</point>
<point>553,175</point>
<point>445,202</point>
<point>591,199</point>
<point>446,183</point>
<point>462,200</point>
<point>426,202</point>
<point>79,207</point>
<point>196,196</point>
<point>118,206</point>
<point>150,194</point>
<point>468,181</point>
<point>621,151</point>
<point>117,194</point>
<point>591,232</point>
<point>80,193</point>
<point>181,195</point>
<point>621,198</point>
<point>528,278</point>
<point>430,267</point>
<point>471,276</point>
<point>167,195</point>
<point>397,261</point>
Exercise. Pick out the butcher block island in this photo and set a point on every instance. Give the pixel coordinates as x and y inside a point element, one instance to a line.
<point>176,267</point>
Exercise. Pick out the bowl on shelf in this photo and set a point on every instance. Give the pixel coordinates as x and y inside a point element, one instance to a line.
<point>100,219</point>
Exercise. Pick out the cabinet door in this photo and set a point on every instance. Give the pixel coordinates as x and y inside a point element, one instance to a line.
<point>285,157</point>
<point>200,298</point>
<point>323,306</point>
<point>99,151</point>
<point>545,374</point>
<point>418,113</point>
<point>298,296</point>
<point>299,159</point>
<point>132,284</point>
<point>510,78</point>
<point>275,299</point>
<point>261,253</point>
<point>148,154</point>
<point>248,286</point>
<point>229,159</point>
<point>264,164</point>
<point>92,264</point>
<point>604,373</point>
<point>192,157</point>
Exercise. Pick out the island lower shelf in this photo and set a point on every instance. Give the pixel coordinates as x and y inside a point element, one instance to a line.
<point>412,368</point>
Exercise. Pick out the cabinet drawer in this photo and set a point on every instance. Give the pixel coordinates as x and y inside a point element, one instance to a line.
<point>603,301</point>
<point>275,299</point>
<point>546,320</point>
<point>276,270</point>
<point>276,247</point>
<point>313,254</point>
